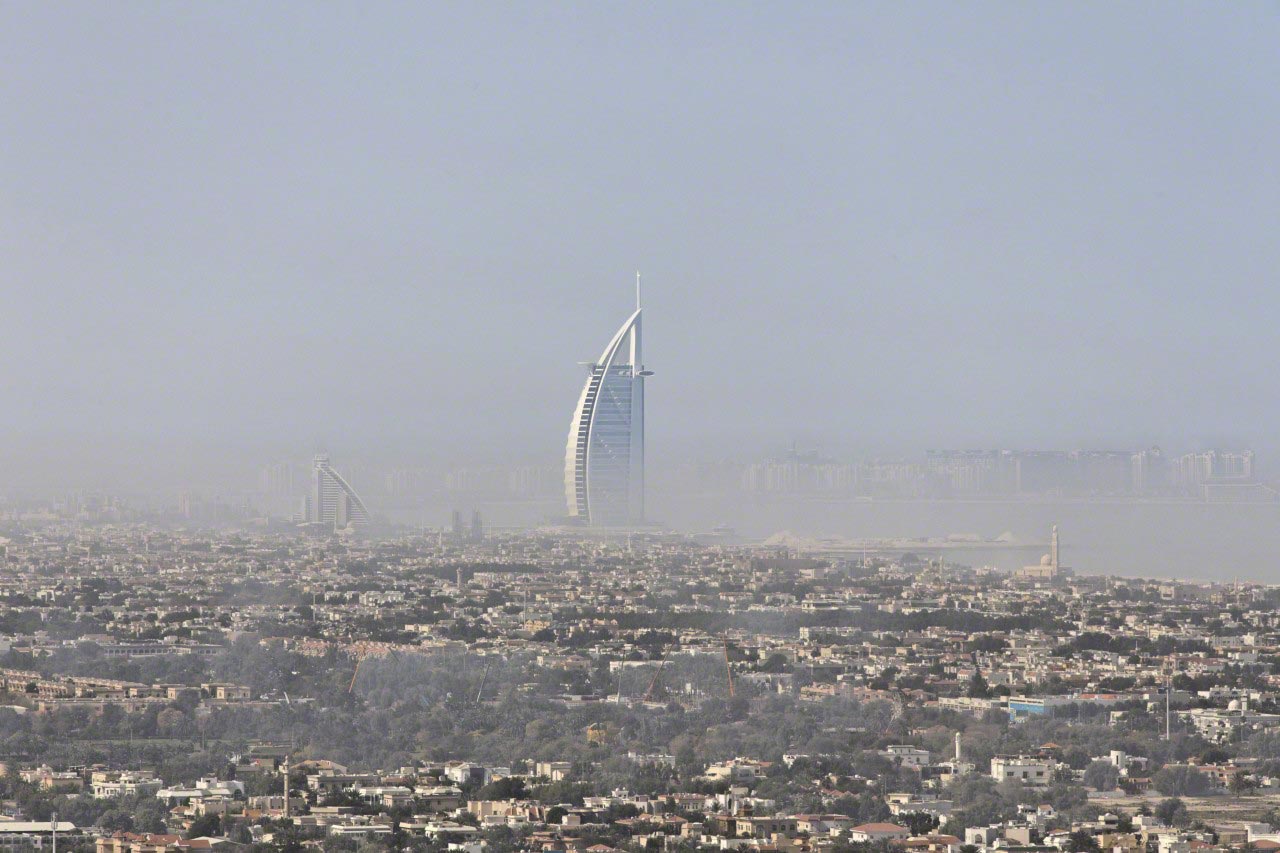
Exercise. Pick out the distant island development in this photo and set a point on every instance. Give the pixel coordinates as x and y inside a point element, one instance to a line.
<point>951,543</point>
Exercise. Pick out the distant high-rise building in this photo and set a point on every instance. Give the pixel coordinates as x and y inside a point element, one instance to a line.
<point>800,472</point>
<point>1148,470</point>
<point>332,500</point>
<point>277,480</point>
<point>504,481</point>
<point>1195,469</point>
<point>403,482</point>
<point>604,459</point>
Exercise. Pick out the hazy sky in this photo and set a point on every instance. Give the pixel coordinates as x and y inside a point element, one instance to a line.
<point>877,225</point>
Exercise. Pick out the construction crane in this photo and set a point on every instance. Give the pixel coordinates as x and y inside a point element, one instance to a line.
<point>352,686</point>
<point>657,672</point>
<point>362,652</point>
<point>897,708</point>
<point>483,678</point>
<point>727,668</point>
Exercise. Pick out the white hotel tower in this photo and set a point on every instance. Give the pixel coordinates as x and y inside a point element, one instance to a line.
<point>332,501</point>
<point>604,459</point>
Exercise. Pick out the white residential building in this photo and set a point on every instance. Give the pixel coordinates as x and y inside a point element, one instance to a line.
<point>1023,768</point>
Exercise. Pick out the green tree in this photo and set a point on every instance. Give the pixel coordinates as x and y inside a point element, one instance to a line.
<point>1180,780</point>
<point>1172,812</point>
<point>920,823</point>
<point>510,788</point>
<point>1081,841</point>
<point>205,826</point>
<point>1101,776</point>
<point>1242,785</point>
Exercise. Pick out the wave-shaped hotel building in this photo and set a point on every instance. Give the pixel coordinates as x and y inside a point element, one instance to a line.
<point>332,501</point>
<point>604,459</point>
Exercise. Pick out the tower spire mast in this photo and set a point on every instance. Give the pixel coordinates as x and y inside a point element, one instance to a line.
<point>637,290</point>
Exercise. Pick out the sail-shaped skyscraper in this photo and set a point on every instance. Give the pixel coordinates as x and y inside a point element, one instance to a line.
<point>604,459</point>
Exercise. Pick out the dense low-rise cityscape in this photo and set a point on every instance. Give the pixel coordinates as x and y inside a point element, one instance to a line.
<point>562,690</point>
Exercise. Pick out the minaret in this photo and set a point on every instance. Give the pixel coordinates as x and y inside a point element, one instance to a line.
<point>957,750</point>
<point>1053,549</point>
<point>286,786</point>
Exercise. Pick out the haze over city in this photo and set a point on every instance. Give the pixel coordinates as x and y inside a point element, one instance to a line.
<point>563,427</point>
